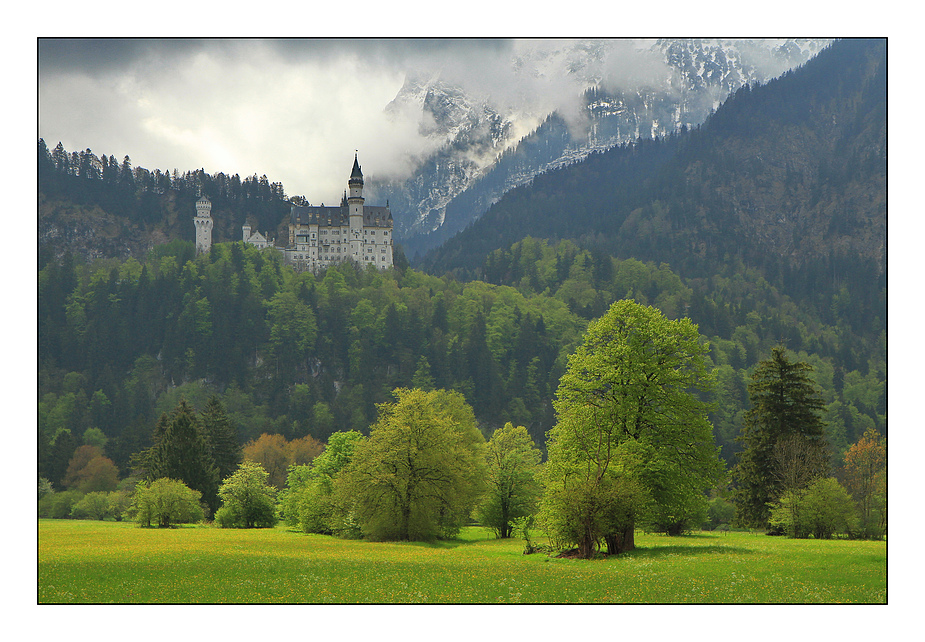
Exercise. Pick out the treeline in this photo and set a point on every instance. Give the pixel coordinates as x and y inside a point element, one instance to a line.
<point>153,201</point>
<point>738,310</point>
<point>787,179</point>
<point>121,342</point>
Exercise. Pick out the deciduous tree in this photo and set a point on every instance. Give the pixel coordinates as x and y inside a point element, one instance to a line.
<point>631,430</point>
<point>248,501</point>
<point>865,477</point>
<point>420,473</point>
<point>513,491</point>
<point>165,502</point>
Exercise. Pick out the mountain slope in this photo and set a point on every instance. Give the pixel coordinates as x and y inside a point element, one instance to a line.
<point>481,147</point>
<point>789,174</point>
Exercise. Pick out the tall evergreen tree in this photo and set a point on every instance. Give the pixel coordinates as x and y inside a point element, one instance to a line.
<point>181,451</point>
<point>785,403</point>
<point>223,442</point>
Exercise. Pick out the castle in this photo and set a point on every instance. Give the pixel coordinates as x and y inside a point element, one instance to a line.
<point>322,236</point>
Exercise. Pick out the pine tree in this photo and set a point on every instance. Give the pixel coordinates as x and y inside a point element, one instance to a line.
<point>223,442</point>
<point>785,403</point>
<point>181,451</point>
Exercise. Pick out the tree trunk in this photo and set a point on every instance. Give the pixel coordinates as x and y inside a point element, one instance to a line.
<point>621,541</point>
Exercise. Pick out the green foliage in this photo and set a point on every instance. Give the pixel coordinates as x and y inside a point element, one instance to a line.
<point>420,473</point>
<point>720,512</point>
<point>785,402</point>
<point>220,435</point>
<point>182,452</point>
<point>308,500</point>
<point>58,505</point>
<point>822,510</point>
<point>512,464</point>
<point>94,505</point>
<point>164,503</point>
<point>248,501</point>
<point>631,429</point>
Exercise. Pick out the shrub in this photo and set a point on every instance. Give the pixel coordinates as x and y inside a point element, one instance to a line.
<point>93,505</point>
<point>59,505</point>
<point>822,510</point>
<point>165,502</point>
<point>719,512</point>
<point>247,500</point>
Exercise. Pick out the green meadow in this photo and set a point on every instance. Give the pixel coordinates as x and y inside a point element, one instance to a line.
<point>113,562</point>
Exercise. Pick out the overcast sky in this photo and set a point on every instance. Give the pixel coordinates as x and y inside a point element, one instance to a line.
<point>295,110</point>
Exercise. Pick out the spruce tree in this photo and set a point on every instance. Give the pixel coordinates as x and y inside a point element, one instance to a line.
<point>223,442</point>
<point>785,403</point>
<point>181,451</point>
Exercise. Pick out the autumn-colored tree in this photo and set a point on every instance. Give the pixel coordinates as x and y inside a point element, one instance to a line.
<point>270,451</point>
<point>89,471</point>
<point>303,450</point>
<point>275,453</point>
<point>865,477</point>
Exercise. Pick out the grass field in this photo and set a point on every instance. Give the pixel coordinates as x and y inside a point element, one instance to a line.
<point>110,562</point>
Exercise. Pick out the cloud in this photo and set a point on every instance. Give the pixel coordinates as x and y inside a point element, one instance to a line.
<point>296,109</point>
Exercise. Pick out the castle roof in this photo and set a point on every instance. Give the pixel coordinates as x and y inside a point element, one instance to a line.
<point>373,216</point>
<point>356,176</point>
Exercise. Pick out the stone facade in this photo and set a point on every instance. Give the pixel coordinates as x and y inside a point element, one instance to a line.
<point>203,223</point>
<point>322,236</point>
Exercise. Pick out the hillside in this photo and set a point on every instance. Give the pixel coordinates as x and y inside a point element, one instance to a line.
<point>787,177</point>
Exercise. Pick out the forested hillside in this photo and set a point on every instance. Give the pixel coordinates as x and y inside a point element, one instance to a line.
<point>120,342</point>
<point>788,179</point>
<point>96,207</point>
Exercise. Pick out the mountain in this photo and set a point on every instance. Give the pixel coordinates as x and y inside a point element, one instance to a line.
<point>483,149</point>
<point>789,177</point>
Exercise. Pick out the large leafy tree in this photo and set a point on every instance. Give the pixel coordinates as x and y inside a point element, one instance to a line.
<point>420,473</point>
<point>631,431</point>
<point>785,403</point>
<point>512,463</point>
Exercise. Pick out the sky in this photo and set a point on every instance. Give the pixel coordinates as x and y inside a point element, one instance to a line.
<point>296,110</point>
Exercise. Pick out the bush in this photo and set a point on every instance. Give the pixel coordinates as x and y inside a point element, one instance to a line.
<point>247,500</point>
<point>316,509</point>
<point>719,512</point>
<point>165,502</point>
<point>822,510</point>
<point>93,505</point>
<point>59,505</point>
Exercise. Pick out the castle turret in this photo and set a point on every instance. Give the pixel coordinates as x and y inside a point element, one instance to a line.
<point>247,232</point>
<point>203,223</point>
<point>355,206</point>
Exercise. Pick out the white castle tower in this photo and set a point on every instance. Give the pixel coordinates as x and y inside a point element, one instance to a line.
<point>203,223</point>
<point>355,205</point>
